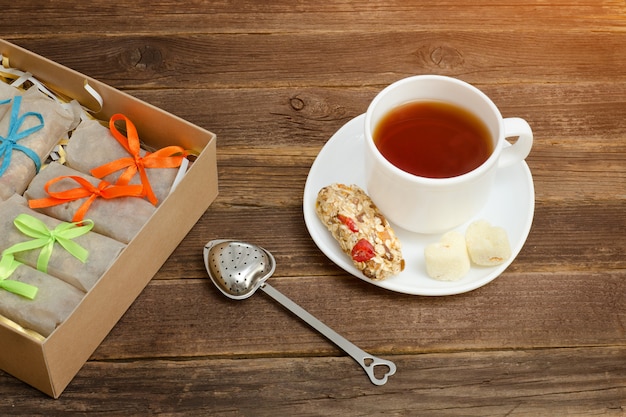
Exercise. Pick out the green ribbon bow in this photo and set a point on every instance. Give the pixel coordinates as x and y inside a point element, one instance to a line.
<point>8,265</point>
<point>45,238</point>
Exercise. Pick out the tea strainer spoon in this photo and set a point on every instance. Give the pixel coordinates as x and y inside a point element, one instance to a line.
<point>238,269</point>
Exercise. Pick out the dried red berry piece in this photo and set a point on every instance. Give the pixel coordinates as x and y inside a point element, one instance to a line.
<point>348,222</point>
<point>363,251</point>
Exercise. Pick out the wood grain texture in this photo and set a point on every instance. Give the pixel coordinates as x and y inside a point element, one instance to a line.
<point>275,80</point>
<point>510,313</point>
<point>520,383</point>
<point>262,60</point>
<point>67,18</point>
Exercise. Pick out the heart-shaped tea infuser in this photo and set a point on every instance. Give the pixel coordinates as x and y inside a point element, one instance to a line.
<point>238,269</point>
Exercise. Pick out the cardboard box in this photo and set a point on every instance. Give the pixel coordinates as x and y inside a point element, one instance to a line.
<point>51,364</point>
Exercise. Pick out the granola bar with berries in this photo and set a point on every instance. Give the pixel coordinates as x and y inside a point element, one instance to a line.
<point>361,230</point>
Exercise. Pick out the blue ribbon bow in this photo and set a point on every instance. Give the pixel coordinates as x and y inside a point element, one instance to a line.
<point>9,143</point>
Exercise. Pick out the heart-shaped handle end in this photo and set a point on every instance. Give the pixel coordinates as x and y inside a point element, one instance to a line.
<point>373,365</point>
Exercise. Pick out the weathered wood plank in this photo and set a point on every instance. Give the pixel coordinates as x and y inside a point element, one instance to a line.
<point>578,129</point>
<point>496,383</point>
<point>564,237</point>
<point>516,311</point>
<point>587,116</point>
<point>215,60</point>
<point>561,173</point>
<point>167,16</point>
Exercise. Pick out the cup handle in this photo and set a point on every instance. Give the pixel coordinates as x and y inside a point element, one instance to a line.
<point>514,126</point>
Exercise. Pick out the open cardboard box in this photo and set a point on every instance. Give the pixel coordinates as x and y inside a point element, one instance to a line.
<point>50,365</point>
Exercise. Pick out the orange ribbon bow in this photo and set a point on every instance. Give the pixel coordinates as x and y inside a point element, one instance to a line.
<point>168,157</point>
<point>86,189</point>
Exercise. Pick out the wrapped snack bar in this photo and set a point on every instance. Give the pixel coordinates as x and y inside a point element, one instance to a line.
<point>53,303</point>
<point>41,242</point>
<point>28,133</point>
<point>117,211</point>
<point>7,93</point>
<point>108,154</point>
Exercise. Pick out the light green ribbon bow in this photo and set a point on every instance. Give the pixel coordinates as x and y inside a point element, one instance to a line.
<point>45,238</point>
<point>8,265</point>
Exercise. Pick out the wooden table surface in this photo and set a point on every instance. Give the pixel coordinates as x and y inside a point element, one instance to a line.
<point>274,80</point>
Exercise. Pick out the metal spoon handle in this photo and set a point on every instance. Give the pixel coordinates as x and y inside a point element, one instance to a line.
<point>367,361</point>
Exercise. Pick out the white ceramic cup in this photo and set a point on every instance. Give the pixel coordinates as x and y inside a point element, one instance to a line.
<point>435,205</point>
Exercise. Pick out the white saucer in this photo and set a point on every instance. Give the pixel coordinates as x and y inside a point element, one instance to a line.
<point>511,206</point>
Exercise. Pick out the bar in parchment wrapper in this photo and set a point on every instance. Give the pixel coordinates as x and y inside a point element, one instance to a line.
<point>118,218</point>
<point>102,250</point>
<point>7,93</point>
<point>361,230</point>
<point>54,302</point>
<point>58,120</point>
<point>93,145</point>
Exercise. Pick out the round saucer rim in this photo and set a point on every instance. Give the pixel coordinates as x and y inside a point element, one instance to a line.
<point>320,234</point>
